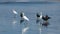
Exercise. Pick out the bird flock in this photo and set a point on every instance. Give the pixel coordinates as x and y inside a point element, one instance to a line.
<point>38,16</point>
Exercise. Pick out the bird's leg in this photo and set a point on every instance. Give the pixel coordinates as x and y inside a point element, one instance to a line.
<point>45,24</point>
<point>37,21</point>
<point>21,21</point>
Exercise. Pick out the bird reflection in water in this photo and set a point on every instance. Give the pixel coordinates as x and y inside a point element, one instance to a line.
<point>14,24</point>
<point>25,26</point>
<point>24,30</point>
<point>46,23</point>
<point>14,21</point>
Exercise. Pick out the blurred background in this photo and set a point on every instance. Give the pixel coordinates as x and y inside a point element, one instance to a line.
<point>29,0</point>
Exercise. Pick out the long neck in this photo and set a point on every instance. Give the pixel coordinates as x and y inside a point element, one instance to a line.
<point>22,14</point>
<point>41,14</point>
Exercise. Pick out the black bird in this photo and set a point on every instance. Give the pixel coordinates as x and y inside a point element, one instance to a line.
<point>45,18</point>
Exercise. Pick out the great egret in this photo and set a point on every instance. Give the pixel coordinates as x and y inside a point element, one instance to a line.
<point>24,30</point>
<point>23,17</point>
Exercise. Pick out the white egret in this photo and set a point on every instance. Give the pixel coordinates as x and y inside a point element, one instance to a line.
<point>23,16</point>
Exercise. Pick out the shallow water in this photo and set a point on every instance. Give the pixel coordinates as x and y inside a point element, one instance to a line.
<point>11,25</point>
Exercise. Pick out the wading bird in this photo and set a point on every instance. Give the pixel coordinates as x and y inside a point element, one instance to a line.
<point>45,18</point>
<point>23,17</point>
<point>39,17</point>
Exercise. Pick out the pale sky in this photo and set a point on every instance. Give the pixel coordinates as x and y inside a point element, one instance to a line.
<point>29,0</point>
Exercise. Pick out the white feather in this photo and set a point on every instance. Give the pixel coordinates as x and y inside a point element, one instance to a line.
<point>15,12</point>
<point>41,16</point>
<point>25,18</point>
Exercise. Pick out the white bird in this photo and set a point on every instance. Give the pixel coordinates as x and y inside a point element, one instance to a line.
<point>39,16</point>
<point>23,16</point>
<point>15,12</point>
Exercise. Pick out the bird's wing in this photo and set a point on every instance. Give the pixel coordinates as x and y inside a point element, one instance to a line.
<point>49,17</point>
<point>41,17</point>
<point>15,12</point>
<point>26,18</point>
